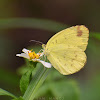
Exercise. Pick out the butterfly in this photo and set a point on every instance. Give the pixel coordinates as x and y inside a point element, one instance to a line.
<point>65,50</point>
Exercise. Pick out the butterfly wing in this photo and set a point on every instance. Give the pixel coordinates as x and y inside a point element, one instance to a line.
<point>76,36</point>
<point>67,60</point>
<point>65,50</point>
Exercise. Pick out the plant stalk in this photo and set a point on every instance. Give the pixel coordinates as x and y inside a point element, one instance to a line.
<point>36,82</point>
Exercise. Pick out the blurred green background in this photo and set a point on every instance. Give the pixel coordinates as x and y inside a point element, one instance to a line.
<point>25,20</point>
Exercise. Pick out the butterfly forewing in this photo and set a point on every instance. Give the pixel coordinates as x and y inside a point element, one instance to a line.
<point>76,36</point>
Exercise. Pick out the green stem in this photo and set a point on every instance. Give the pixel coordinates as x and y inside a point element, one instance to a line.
<point>35,83</point>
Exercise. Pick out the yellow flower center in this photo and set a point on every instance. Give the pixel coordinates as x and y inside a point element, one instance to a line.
<point>33,55</point>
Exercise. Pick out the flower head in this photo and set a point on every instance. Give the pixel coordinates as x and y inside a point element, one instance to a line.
<point>31,55</point>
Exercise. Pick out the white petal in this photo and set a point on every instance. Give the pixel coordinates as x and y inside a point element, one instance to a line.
<point>35,60</point>
<point>23,55</point>
<point>18,55</point>
<point>26,51</point>
<point>46,64</point>
<point>42,54</point>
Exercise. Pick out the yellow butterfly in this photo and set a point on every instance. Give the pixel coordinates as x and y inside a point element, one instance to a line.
<point>65,50</point>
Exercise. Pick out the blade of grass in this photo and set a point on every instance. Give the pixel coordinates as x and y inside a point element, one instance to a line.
<point>36,82</point>
<point>95,35</point>
<point>4,92</point>
<point>31,23</point>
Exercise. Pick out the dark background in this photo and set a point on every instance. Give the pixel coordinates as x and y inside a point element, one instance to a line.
<point>67,12</point>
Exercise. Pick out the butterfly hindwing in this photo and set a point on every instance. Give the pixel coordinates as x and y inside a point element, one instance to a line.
<point>67,61</point>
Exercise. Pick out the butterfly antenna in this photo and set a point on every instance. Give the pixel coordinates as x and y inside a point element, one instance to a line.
<point>36,41</point>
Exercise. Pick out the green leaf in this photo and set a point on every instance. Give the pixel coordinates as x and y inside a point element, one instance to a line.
<point>95,35</point>
<point>20,98</point>
<point>23,69</point>
<point>25,79</point>
<point>36,82</point>
<point>4,92</point>
<point>31,23</point>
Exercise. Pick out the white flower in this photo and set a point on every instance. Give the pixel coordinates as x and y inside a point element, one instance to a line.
<point>33,57</point>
